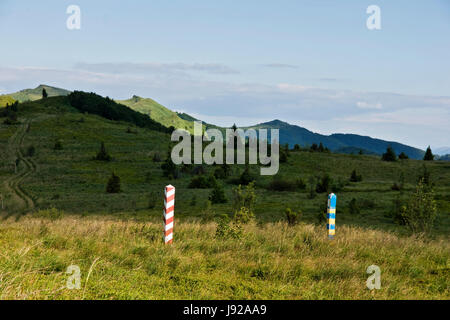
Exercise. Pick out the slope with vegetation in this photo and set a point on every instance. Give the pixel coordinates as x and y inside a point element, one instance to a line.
<point>97,194</point>
<point>36,93</point>
<point>70,179</point>
<point>158,112</point>
<point>6,100</point>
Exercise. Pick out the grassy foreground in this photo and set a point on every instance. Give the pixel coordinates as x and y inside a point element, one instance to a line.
<point>127,260</point>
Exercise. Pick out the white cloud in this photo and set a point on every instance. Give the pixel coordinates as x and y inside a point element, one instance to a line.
<point>379,114</point>
<point>366,105</point>
<point>151,67</point>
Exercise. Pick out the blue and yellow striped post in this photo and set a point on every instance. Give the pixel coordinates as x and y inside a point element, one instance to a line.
<point>331,216</point>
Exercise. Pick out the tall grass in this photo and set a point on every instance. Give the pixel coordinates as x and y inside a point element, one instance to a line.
<point>127,260</point>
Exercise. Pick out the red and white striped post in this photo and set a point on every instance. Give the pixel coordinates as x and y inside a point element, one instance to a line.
<point>169,208</point>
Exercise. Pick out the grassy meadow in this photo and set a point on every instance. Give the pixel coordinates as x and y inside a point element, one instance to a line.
<point>127,260</point>
<point>122,233</point>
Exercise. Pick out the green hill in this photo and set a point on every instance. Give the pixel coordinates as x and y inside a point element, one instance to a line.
<point>6,99</point>
<point>158,112</point>
<point>36,93</point>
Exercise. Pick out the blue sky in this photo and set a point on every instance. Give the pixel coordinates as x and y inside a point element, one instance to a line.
<point>312,63</point>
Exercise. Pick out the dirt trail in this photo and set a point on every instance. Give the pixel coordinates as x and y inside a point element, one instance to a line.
<point>27,166</point>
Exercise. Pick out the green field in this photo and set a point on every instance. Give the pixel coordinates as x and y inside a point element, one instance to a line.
<point>270,261</point>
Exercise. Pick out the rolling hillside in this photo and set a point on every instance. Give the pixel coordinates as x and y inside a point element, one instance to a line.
<point>5,99</point>
<point>57,213</point>
<point>36,93</point>
<point>291,134</point>
<point>158,112</point>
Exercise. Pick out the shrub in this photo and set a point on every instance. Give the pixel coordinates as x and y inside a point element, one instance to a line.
<point>217,194</point>
<point>425,176</point>
<point>324,184</point>
<point>403,156</point>
<point>292,217</point>
<point>389,155</point>
<point>244,202</point>
<point>113,185</point>
<point>397,212</point>
<point>227,229</point>
<point>243,215</point>
<point>421,210</point>
<point>103,155</point>
<point>354,177</point>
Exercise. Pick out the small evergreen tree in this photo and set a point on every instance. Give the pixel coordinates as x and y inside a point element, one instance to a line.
<point>113,185</point>
<point>403,156</point>
<point>321,148</point>
<point>217,194</point>
<point>389,155</point>
<point>103,155</point>
<point>44,93</point>
<point>428,155</point>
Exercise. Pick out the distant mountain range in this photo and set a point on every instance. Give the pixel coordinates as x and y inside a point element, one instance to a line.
<point>290,134</point>
<point>442,151</point>
<point>338,142</point>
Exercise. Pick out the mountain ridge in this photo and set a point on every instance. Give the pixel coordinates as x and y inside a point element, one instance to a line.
<point>289,133</point>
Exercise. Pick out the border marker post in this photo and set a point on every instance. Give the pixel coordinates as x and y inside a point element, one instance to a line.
<point>331,216</point>
<point>169,209</point>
